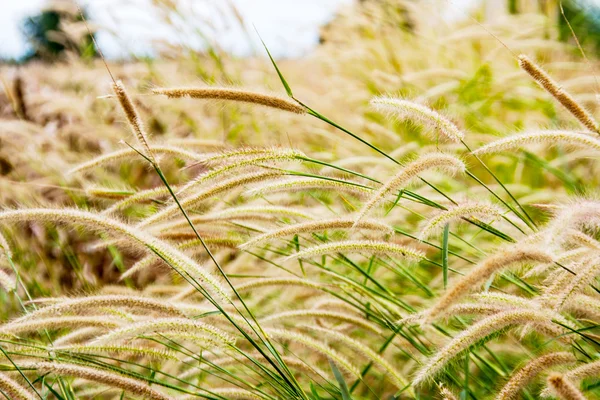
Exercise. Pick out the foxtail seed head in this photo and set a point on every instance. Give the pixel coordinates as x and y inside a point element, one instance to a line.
<point>325,350</point>
<point>447,394</point>
<point>435,224</point>
<point>439,161</point>
<point>551,138</point>
<point>399,381</point>
<point>359,246</point>
<point>564,98</point>
<point>479,331</point>
<point>320,225</point>
<point>135,386</point>
<point>483,271</point>
<point>197,198</point>
<point>166,325</point>
<point>133,117</point>
<point>13,389</point>
<point>533,368</point>
<point>99,223</point>
<point>301,184</point>
<point>563,388</point>
<point>7,282</point>
<point>232,94</point>
<point>410,110</point>
<point>5,250</point>
<point>108,158</point>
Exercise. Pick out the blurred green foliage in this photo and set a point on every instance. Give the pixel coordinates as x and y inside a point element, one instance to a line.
<point>45,33</point>
<point>584,17</point>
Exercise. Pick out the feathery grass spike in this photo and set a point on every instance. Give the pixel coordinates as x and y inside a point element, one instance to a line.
<point>564,98</point>
<point>135,121</point>
<point>439,161</point>
<point>482,271</point>
<point>520,379</point>
<point>361,247</point>
<point>111,379</point>
<point>550,138</point>
<point>233,94</point>
<point>564,389</point>
<point>13,389</point>
<point>479,331</point>
<point>407,109</point>
<point>319,225</point>
<point>436,224</point>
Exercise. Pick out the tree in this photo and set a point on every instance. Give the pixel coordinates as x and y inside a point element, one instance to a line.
<point>51,33</point>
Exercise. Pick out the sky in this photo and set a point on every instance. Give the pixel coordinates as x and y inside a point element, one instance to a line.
<point>290,27</point>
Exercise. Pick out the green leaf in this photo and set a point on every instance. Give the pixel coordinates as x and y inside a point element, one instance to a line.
<point>445,254</point>
<point>287,87</point>
<point>297,245</point>
<point>313,391</point>
<point>341,381</point>
<point>54,392</point>
<point>400,193</point>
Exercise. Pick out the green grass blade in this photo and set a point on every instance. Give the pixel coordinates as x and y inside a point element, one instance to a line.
<point>287,87</point>
<point>445,254</point>
<point>340,379</point>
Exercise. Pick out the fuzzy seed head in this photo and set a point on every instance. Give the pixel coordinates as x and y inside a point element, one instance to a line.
<point>361,247</point>
<point>333,315</point>
<point>134,386</point>
<point>135,121</point>
<point>550,138</point>
<point>181,325</point>
<point>102,224</point>
<point>369,354</point>
<point>14,389</point>
<point>5,250</point>
<point>564,98</point>
<point>533,368</point>
<point>564,389</point>
<point>482,271</point>
<point>233,94</point>
<point>316,226</point>
<point>195,199</point>
<point>281,155</point>
<point>115,156</point>
<point>282,334</point>
<point>410,110</point>
<point>301,184</point>
<point>456,213</point>
<point>447,394</point>
<point>479,331</point>
<point>7,282</point>
<point>438,161</point>
<point>591,369</point>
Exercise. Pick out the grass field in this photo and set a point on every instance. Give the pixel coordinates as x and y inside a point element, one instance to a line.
<point>408,212</point>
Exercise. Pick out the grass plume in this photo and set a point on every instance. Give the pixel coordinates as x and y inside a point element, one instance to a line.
<point>483,271</point>
<point>564,389</point>
<point>232,94</point>
<point>439,161</point>
<point>407,109</point>
<point>563,97</point>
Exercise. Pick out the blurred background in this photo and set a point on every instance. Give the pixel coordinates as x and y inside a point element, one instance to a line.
<point>144,27</point>
<point>47,29</point>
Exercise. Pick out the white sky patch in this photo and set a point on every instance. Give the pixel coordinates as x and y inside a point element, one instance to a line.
<point>289,27</point>
<point>12,43</point>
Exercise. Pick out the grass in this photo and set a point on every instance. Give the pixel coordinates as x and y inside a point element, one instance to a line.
<point>431,232</point>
